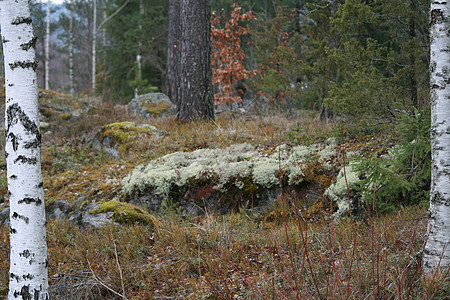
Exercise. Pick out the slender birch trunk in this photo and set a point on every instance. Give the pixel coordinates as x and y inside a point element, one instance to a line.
<point>28,256</point>
<point>94,43</point>
<point>71,48</point>
<point>439,212</point>
<point>138,54</point>
<point>47,47</point>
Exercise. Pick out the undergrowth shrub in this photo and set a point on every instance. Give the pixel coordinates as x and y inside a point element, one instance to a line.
<point>402,177</point>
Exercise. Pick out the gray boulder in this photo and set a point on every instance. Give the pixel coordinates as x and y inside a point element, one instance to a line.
<point>152,105</point>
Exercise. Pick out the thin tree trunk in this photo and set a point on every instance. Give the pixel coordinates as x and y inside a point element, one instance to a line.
<point>138,54</point>
<point>439,212</point>
<point>197,100</point>
<point>173,53</point>
<point>412,56</point>
<point>28,277</point>
<point>94,42</point>
<point>47,47</point>
<point>71,48</point>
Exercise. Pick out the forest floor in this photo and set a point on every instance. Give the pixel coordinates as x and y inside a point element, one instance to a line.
<point>289,250</point>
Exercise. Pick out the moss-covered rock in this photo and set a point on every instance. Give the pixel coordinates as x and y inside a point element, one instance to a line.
<point>125,213</point>
<point>239,171</point>
<point>152,105</point>
<point>117,138</point>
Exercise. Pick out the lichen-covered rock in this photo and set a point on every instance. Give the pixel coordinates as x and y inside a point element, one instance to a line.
<point>117,138</point>
<point>124,213</point>
<point>239,173</point>
<point>338,192</point>
<point>151,105</point>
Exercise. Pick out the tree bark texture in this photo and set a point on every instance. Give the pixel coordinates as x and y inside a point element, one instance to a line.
<point>439,212</point>
<point>71,87</point>
<point>173,77</point>
<point>94,44</point>
<point>28,256</point>
<point>197,101</point>
<point>47,48</point>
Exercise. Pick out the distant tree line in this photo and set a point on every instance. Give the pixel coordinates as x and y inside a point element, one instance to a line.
<point>348,57</point>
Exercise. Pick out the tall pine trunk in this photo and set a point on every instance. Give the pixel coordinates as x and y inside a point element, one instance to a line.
<point>196,74</point>
<point>439,212</point>
<point>173,53</point>
<point>28,256</point>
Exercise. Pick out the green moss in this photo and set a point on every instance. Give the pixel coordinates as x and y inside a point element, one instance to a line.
<point>156,109</point>
<point>124,134</point>
<point>125,213</point>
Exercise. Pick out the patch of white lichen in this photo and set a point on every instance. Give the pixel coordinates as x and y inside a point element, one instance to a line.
<point>339,191</point>
<point>224,167</point>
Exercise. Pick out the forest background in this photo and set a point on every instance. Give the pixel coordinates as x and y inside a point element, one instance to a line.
<point>360,66</point>
<point>367,57</point>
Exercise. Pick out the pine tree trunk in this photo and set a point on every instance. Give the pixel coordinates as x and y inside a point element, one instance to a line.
<point>173,77</point>
<point>28,258</point>
<point>71,48</point>
<point>439,212</point>
<point>196,74</point>
<point>47,48</point>
<point>412,55</point>
<point>94,43</point>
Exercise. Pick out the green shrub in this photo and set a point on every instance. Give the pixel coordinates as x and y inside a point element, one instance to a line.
<point>402,177</point>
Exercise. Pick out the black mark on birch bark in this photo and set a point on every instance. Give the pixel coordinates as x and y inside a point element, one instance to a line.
<point>28,276</point>
<point>21,20</point>
<point>4,40</point>
<point>14,142</point>
<point>24,64</point>
<point>12,230</point>
<point>25,253</point>
<point>30,44</point>
<point>15,114</point>
<point>41,184</point>
<point>14,276</point>
<point>26,160</point>
<point>13,177</point>
<point>437,16</point>
<point>29,200</point>
<point>17,216</point>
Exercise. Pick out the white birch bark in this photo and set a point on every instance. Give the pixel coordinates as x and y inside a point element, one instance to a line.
<point>47,47</point>
<point>94,42</point>
<point>28,256</point>
<point>71,48</point>
<point>138,54</point>
<point>439,212</point>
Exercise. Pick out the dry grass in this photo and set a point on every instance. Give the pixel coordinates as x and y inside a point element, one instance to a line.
<point>238,256</point>
<point>284,252</point>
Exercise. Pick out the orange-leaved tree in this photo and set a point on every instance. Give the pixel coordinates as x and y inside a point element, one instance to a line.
<point>227,55</point>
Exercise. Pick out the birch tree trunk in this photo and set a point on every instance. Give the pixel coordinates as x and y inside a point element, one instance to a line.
<point>28,258</point>
<point>197,100</point>
<point>439,212</point>
<point>71,48</point>
<point>47,47</point>
<point>94,43</point>
<point>138,54</point>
